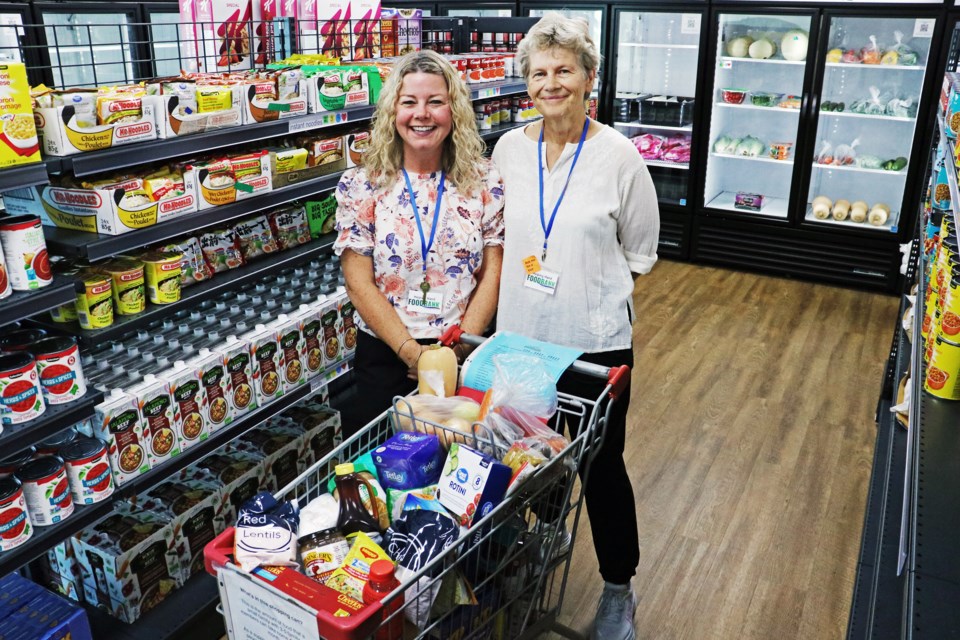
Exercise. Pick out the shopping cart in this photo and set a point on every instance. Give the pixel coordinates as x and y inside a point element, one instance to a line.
<point>512,558</point>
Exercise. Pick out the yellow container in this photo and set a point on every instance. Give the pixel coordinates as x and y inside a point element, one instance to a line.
<point>942,372</point>
<point>162,271</point>
<point>19,143</point>
<point>128,287</point>
<point>95,302</point>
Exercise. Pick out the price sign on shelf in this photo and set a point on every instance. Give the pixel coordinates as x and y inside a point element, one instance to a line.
<point>726,64</point>
<point>488,93</point>
<point>318,120</point>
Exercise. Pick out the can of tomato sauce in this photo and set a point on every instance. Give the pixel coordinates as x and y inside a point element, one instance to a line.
<point>95,302</point>
<point>46,490</point>
<point>51,446</point>
<point>9,466</point>
<point>15,526</point>
<point>942,371</point>
<point>5,288</point>
<point>26,252</point>
<point>58,363</point>
<point>162,272</point>
<point>21,339</point>
<point>129,296</point>
<point>21,398</point>
<point>88,470</point>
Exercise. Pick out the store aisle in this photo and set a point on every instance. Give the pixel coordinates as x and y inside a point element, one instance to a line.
<point>750,444</point>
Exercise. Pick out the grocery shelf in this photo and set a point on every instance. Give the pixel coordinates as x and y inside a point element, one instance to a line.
<point>773,207</point>
<point>500,88</point>
<point>833,167</point>
<point>951,172</point>
<point>188,612</point>
<point>84,516</point>
<point>670,165</point>
<point>849,114</point>
<point>27,175</point>
<point>766,61</point>
<point>124,156</point>
<point>25,304</point>
<point>889,67</point>
<point>786,163</point>
<point>660,127</point>
<point>56,418</point>
<point>94,246</point>
<point>727,105</point>
<point>889,227</point>
<point>496,132</point>
<point>651,45</point>
<point>199,292</point>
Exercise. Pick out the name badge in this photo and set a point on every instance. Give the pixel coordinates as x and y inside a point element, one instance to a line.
<point>430,305</point>
<point>543,280</point>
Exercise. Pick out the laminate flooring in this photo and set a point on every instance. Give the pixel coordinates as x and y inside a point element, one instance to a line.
<point>750,441</point>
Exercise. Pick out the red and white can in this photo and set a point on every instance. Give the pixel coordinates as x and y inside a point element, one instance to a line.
<point>15,528</point>
<point>9,466</point>
<point>25,249</point>
<point>58,363</point>
<point>5,288</point>
<point>88,470</point>
<point>21,398</point>
<point>47,490</point>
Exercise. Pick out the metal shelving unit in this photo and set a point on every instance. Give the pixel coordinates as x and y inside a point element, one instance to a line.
<point>16,438</point>
<point>27,175</point>
<point>24,304</point>
<point>197,293</point>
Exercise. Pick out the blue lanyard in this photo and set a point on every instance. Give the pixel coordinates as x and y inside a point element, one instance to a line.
<point>548,226</point>
<point>424,244</point>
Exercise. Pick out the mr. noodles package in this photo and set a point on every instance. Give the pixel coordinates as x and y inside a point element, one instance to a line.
<point>266,533</point>
<point>355,570</point>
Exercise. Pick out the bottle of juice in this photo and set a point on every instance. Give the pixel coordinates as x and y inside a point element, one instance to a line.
<point>382,581</point>
<point>354,517</point>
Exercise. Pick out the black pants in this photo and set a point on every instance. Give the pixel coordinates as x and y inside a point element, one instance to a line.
<point>379,376</point>
<point>609,493</point>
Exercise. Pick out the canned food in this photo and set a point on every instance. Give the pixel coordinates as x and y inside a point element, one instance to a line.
<point>26,252</point>
<point>9,466</point>
<point>65,313</point>
<point>21,339</point>
<point>5,288</point>
<point>46,490</point>
<point>95,302</point>
<point>51,446</point>
<point>162,271</point>
<point>88,470</point>
<point>126,275</point>
<point>943,369</point>
<point>21,398</point>
<point>61,375</point>
<point>15,526</point>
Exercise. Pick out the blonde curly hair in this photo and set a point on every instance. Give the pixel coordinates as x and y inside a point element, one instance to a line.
<point>462,150</point>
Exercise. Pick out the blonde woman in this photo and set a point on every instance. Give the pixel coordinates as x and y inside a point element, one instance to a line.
<point>420,227</point>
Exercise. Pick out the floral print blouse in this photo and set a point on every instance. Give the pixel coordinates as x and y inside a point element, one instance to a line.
<point>381,224</point>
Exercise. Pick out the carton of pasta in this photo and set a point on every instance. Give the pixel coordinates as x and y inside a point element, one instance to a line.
<point>18,135</point>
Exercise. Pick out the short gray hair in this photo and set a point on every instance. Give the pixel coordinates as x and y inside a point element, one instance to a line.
<point>557,31</point>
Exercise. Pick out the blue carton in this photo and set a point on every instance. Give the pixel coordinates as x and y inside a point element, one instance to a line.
<point>41,615</point>
<point>408,461</point>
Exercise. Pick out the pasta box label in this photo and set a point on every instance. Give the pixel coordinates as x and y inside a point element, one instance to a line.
<point>471,483</point>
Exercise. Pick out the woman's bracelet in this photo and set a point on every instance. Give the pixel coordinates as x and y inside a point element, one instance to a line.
<point>402,345</point>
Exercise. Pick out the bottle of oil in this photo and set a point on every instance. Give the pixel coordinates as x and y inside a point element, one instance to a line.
<point>354,517</point>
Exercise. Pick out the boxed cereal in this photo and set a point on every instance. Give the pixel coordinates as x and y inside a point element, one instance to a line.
<point>18,133</point>
<point>365,41</point>
<point>218,34</point>
<point>401,31</point>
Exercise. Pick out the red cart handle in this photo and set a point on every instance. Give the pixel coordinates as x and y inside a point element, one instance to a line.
<point>451,336</point>
<point>619,379</point>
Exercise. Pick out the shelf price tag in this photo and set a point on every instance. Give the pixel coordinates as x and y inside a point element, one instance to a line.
<point>318,120</point>
<point>488,93</point>
<point>726,64</point>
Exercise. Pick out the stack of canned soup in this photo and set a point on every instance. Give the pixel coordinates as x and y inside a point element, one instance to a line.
<point>24,262</point>
<point>941,322</point>
<point>173,384</point>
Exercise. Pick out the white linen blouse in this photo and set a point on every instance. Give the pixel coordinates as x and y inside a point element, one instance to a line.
<point>607,226</point>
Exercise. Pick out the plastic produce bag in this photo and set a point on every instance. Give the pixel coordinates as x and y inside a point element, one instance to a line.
<point>649,146</point>
<point>522,382</point>
<point>751,147</point>
<point>900,53</point>
<point>846,154</point>
<point>455,414</point>
<point>677,149</point>
<point>902,107</point>
<point>726,145</point>
<point>869,162</point>
<point>825,153</point>
<point>870,54</point>
<point>413,540</point>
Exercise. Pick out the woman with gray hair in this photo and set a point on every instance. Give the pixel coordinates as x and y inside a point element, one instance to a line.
<point>573,247</point>
<point>420,227</point>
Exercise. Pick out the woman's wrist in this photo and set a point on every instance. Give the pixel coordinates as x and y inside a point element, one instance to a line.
<point>405,348</point>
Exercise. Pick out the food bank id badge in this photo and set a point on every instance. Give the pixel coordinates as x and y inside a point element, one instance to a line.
<point>538,278</point>
<point>430,304</point>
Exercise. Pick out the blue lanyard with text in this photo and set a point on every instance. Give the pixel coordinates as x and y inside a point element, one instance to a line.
<point>424,244</point>
<point>548,226</point>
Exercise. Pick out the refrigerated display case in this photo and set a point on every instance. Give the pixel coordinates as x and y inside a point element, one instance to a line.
<point>869,100</point>
<point>654,83</point>
<point>755,114</point>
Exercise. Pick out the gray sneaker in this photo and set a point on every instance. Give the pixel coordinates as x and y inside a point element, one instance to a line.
<point>562,544</point>
<point>614,619</point>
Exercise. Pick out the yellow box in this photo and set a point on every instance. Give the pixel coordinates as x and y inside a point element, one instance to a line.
<point>63,136</point>
<point>18,134</point>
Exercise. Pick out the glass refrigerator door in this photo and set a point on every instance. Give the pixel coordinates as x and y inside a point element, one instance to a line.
<point>656,82</point>
<point>868,115</point>
<point>758,84</point>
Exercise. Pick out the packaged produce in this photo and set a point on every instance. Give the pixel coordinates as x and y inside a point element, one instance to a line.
<point>900,53</point>
<point>256,237</point>
<point>845,155</point>
<point>677,149</point>
<point>867,161</point>
<point>726,145</point>
<point>221,250</point>
<point>827,105</point>
<point>471,484</point>
<point>870,54</point>
<point>650,146</point>
<point>851,56</point>
<point>733,96</point>
<point>193,265</point>
<point>25,251</point>
<point>834,56</point>
<point>896,164</point>
<point>825,153</point>
<point>765,98</point>
<point>523,383</point>
<point>21,396</point>
<point>750,147</point>
<point>780,150</point>
<point>455,415</point>
<point>902,107</point>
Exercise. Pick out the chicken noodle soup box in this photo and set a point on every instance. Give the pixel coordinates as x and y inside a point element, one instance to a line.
<point>257,109</point>
<point>64,136</point>
<point>107,211</point>
<point>173,121</point>
<point>228,180</point>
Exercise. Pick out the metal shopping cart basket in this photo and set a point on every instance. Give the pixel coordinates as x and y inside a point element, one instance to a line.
<point>513,560</point>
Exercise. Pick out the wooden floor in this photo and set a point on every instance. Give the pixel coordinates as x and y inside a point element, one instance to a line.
<point>749,443</point>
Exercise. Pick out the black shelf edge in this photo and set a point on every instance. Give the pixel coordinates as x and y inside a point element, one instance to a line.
<point>16,438</point>
<point>933,613</point>
<point>199,292</point>
<point>146,152</point>
<point>496,132</point>
<point>25,304</point>
<point>84,516</point>
<point>495,89</point>
<point>95,247</point>
<point>188,612</point>
<point>27,175</point>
